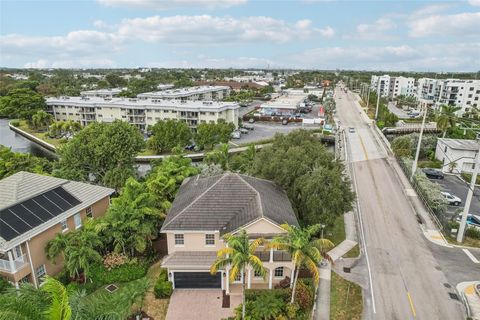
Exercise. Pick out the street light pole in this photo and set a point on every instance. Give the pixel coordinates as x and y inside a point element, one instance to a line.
<point>378,100</point>
<point>415,161</point>
<point>466,209</point>
<point>368,97</point>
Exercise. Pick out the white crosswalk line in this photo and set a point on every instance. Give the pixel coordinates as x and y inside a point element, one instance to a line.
<point>471,256</point>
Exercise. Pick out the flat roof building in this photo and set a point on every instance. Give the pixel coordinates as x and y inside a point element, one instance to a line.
<point>141,112</point>
<point>102,93</point>
<point>202,93</point>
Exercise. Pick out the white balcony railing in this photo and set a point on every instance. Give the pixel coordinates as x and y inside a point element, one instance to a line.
<point>17,264</point>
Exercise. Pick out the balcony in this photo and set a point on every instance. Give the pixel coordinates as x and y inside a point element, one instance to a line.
<point>14,265</point>
<point>278,256</point>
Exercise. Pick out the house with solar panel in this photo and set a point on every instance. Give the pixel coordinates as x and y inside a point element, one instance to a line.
<point>205,209</point>
<point>33,210</point>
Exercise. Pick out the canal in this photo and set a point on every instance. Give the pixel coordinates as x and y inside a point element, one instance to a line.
<point>19,143</point>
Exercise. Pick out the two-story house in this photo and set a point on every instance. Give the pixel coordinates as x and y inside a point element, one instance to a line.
<point>205,209</point>
<point>33,210</point>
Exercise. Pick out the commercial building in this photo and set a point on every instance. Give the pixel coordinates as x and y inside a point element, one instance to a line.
<point>457,155</point>
<point>101,93</point>
<point>203,93</point>
<point>205,209</point>
<point>141,112</point>
<point>33,210</point>
<point>284,105</point>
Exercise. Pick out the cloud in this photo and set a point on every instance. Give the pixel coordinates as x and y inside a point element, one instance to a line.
<point>206,29</point>
<point>216,63</point>
<point>327,32</point>
<point>475,3</point>
<point>439,57</point>
<point>461,24</point>
<point>169,4</point>
<point>374,31</point>
<point>71,63</point>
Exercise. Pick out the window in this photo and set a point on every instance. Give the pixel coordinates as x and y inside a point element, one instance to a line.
<point>179,240</point>
<point>212,113</point>
<point>17,252</point>
<point>210,239</point>
<point>257,274</point>
<point>64,225</point>
<point>238,277</point>
<point>89,212</point>
<point>40,272</point>
<point>278,272</point>
<point>78,220</point>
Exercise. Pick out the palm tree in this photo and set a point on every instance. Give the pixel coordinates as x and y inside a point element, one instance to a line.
<point>41,119</point>
<point>59,308</point>
<point>305,250</point>
<point>238,255</point>
<point>447,118</point>
<point>219,156</point>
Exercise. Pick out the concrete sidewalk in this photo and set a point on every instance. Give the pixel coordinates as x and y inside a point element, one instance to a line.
<point>322,299</point>
<point>472,299</point>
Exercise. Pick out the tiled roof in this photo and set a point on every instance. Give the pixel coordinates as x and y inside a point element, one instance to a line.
<point>227,202</point>
<point>190,259</point>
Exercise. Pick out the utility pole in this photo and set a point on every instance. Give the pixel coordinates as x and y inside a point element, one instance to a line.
<point>466,209</point>
<point>378,100</point>
<point>415,161</point>
<point>368,97</point>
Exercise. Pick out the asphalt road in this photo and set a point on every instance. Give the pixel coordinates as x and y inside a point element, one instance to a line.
<point>404,281</point>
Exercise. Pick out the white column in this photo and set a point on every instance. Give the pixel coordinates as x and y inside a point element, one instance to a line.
<point>34,276</point>
<point>10,260</point>
<point>222,277</point>
<point>227,283</point>
<point>249,278</point>
<point>16,285</point>
<point>270,279</point>
<point>173,280</point>
<point>271,255</point>
<point>292,276</point>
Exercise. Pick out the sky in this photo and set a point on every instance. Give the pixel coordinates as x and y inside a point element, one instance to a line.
<point>304,34</point>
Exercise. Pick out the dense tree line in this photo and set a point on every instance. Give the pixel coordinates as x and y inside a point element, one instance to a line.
<point>13,162</point>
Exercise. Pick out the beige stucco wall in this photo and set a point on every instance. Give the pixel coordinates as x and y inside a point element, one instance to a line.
<point>263,226</point>
<point>38,243</point>
<point>193,242</point>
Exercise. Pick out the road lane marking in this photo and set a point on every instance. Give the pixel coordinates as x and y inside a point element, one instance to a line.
<point>471,256</point>
<point>411,304</point>
<point>363,147</point>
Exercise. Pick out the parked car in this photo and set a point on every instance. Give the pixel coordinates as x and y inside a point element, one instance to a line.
<point>236,134</point>
<point>351,130</point>
<point>243,130</point>
<point>433,173</point>
<point>285,122</point>
<point>452,199</point>
<point>248,127</point>
<point>190,147</point>
<point>472,220</point>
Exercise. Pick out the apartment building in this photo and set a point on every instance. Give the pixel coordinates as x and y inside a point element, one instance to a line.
<point>101,93</point>
<point>202,93</point>
<point>141,112</point>
<point>457,155</point>
<point>391,87</point>
<point>33,210</point>
<point>461,93</point>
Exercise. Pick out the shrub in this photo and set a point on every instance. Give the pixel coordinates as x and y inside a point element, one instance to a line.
<point>4,285</point>
<point>15,123</point>
<point>163,289</point>
<point>268,306</point>
<point>253,294</point>
<point>303,296</point>
<point>163,275</point>
<point>124,273</point>
<point>473,233</point>
<point>112,260</point>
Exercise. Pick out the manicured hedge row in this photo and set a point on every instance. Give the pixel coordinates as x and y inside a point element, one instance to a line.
<point>124,273</point>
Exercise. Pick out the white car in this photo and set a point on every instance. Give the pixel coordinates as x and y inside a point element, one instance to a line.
<point>452,199</point>
<point>236,134</point>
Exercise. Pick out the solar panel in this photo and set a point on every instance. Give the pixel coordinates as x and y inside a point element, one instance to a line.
<point>31,213</point>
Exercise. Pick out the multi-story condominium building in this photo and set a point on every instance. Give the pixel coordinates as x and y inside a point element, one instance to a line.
<point>33,210</point>
<point>382,84</point>
<point>101,93</point>
<point>429,89</point>
<point>461,93</point>
<point>203,93</point>
<point>391,87</point>
<point>141,112</point>
<point>205,209</point>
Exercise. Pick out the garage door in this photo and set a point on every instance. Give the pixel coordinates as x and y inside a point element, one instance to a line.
<point>194,280</point>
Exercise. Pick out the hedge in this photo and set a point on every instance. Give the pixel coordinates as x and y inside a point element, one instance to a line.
<point>124,273</point>
<point>163,288</point>
<point>253,294</point>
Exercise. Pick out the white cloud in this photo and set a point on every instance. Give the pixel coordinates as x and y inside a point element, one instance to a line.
<point>327,32</point>
<point>475,3</point>
<point>462,24</point>
<point>374,31</point>
<point>439,57</point>
<point>169,4</point>
<point>206,29</point>
<point>216,63</point>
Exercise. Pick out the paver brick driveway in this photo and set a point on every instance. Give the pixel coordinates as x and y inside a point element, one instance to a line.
<point>200,304</point>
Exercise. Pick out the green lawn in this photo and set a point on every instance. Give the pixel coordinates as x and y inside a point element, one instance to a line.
<point>337,235</point>
<point>41,135</point>
<point>345,300</point>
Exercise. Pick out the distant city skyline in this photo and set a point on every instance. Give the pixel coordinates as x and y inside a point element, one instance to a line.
<point>302,34</point>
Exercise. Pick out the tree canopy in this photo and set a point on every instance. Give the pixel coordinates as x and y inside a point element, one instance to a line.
<point>210,134</point>
<point>103,152</point>
<point>167,134</point>
<point>21,103</point>
<point>13,162</point>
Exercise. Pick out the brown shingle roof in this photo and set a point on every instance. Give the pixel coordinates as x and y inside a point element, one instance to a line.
<point>227,202</point>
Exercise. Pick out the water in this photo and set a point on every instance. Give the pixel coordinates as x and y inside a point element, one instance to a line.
<point>19,143</point>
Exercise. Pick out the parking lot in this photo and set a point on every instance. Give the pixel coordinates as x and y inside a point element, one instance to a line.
<point>452,184</point>
<point>267,130</point>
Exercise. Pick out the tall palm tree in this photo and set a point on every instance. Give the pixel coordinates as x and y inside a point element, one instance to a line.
<point>304,248</point>
<point>59,308</point>
<point>447,118</point>
<point>238,255</point>
<point>41,119</point>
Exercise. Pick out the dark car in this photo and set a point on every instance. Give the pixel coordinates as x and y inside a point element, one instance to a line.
<point>190,147</point>
<point>433,174</point>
